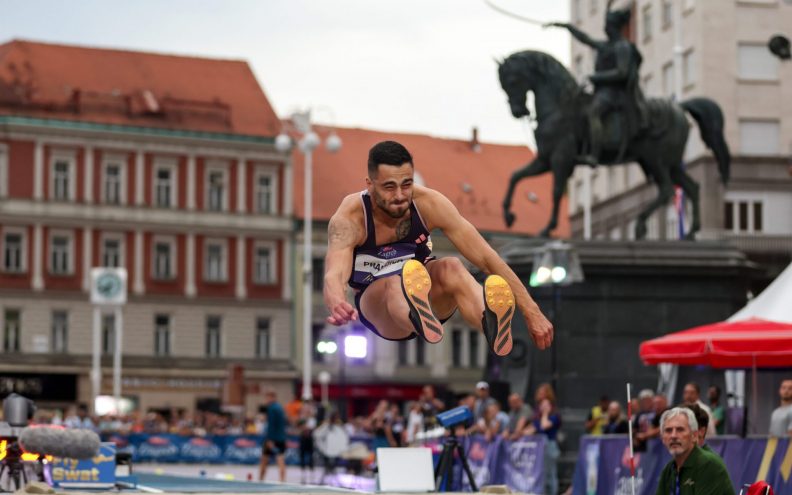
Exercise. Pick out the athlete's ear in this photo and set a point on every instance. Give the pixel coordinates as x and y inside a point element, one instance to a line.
<point>369,183</point>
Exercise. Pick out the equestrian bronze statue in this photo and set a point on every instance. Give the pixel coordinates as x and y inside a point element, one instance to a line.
<point>614,125</point>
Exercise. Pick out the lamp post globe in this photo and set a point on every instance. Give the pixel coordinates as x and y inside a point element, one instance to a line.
<point>333,143</point>
<point>283,143</point>
<point>309,142</point>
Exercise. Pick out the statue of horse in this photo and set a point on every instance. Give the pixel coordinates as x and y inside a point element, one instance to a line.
<point>561,136</point>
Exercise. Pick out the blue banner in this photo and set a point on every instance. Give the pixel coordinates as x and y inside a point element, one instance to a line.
<point>520,464</point>
<point>603,465</point>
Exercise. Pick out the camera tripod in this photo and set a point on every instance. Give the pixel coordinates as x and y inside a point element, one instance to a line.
<point>445,467</point>
<point>13,468</point>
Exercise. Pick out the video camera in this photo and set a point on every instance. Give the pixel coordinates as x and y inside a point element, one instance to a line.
<point>458,416</point>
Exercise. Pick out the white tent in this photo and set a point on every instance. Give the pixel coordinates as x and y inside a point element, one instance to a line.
<point>774,303</point>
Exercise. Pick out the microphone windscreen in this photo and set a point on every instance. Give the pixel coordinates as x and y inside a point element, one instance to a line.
<point>60,442</point>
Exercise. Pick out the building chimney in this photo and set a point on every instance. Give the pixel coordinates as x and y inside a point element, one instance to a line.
<point>474,141</point>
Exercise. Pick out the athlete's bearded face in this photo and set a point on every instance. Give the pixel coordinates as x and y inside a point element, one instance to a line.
<point>392,188</point>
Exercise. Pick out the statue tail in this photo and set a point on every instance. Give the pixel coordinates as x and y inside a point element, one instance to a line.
<point>709,118</point>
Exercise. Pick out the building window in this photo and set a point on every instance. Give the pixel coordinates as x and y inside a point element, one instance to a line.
<point>61,180</point>
<point>577,10</point>
<point>456,348</point>
<point>11,330</point>
<point>646,84</point>
<point>3,170</point>
<point>473,349</point>
<point>111,252</point>
<point>60,254</point>
<point>318,274</point>
<point>262,337</point>
<point>162,335</point>
<point>743,216</point>
<point>213,336</point>
<point>689,68</point>
<point>264,265</point>
<point>668,79</point>
<point>760,137</point>
<point>14,251</point>
<point>113,183</point>
<point>688,5</point>
<point>755,62</point>
<point>108,333</point>
<point>163,268</point>
<point>165,186</point>
<point>420,351</point>
<point>60,331</point>
<point>215,262</point>
<point>265,193</point>
<point>215,190</point>
<point>401,354</point>
<point>668,14</point>
<point>646,22</point>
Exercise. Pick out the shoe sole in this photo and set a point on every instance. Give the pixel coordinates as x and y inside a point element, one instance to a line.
<point>499,303</point>
<point>416,285</point>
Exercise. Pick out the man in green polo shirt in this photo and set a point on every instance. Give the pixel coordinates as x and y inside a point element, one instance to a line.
<point>691,470</point>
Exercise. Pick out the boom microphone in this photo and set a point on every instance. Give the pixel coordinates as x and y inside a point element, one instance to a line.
<point>60,442</point>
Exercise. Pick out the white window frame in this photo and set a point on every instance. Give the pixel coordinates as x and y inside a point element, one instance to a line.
<point>71,160</point>
<point>169,335</point>
<point>219,353</point>
<point>3,170</point>
<point>121,161</point>
<point>761,47</point>
<point>735,199</point>
<point>668,82</point>
<point>114,236</point>
<point>108,344</point>
<point>272,246</point>
<point>22,232</point>
<point>172,165</point>
<point>647,32</point>
<point>222,167</point>
<point>777,149</point>
<point>18,331</point>
<point>64,330</point>
<point>162,239</point>
<point>689,68</point>
<point>272,173</point>
<point>69,234</point>
<point>257,336</point>
<point>223,243</point>
<point>666,14</point>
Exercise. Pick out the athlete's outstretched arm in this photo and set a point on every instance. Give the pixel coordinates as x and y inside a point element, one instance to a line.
<point>342,237</point>
<point>472,246</point>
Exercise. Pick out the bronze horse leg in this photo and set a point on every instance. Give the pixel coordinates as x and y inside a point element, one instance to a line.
<point>653,167</point>
<point>537,167</point>
<point>563,164</point>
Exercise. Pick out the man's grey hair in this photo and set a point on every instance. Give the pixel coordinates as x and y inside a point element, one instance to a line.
<point>676,411</point>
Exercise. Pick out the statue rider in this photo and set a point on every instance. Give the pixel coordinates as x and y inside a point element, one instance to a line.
<point>615,81</point>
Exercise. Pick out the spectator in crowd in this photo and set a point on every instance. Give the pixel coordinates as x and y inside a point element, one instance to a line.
<point>691,394</point>
<point>332,440</point>
<point>642,423</point>
<point>616,424</point>
<point>381,426</point>
<point>544,391</point>
<point>494,421</point>
<point>483,400</point>
<point>80,419</point>
<point>520,414</point>
<point>718,411</point>
<point>275,438</point>
<point>702,418</point>
<point>415,422</point>
<point>547,422</point>
<point>306,452</point>
<point>660,405</point>
<point>690,469</point>
<point>396,421</point>
<point>430,406</point>
<point>781,419</point>
<point>597,417</point>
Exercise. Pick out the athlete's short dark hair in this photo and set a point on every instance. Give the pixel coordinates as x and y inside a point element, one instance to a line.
<point>702,418</point>
<point>387,153</point>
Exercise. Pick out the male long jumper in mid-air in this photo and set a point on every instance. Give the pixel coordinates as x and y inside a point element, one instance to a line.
<point>379,243</point>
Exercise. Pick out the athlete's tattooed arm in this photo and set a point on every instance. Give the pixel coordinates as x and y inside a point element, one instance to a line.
<point>343,234</point>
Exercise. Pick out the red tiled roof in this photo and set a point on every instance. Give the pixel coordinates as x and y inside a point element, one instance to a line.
<point>133,88</point>
<point>446,165</point>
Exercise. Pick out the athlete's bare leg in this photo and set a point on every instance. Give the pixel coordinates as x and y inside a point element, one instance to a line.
<point>454,287</point>
<point>383,304</point>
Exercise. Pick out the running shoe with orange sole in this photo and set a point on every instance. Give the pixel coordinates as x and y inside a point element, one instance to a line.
<point>416,285</point>
<point>498,314</point>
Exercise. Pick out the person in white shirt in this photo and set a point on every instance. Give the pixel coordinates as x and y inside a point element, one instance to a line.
<point>781,419</point>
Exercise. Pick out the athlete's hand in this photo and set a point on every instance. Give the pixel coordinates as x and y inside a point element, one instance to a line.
<point>341,313</point>
<point>540,328</point>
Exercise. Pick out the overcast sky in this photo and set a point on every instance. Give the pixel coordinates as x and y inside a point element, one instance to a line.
<point>421,66</point>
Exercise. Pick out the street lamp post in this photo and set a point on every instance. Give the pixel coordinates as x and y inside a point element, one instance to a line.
<point>307,144</point>
<point>556,264</point>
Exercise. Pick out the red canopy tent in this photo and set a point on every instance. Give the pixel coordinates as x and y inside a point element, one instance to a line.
<point>752,343</point>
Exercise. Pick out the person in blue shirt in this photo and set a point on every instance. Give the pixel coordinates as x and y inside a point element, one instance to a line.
<point>547,422</point>
<point>274,438</point>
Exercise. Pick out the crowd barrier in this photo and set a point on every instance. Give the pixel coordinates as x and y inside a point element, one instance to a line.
<point>603,464</point>
<point>518,464</point>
